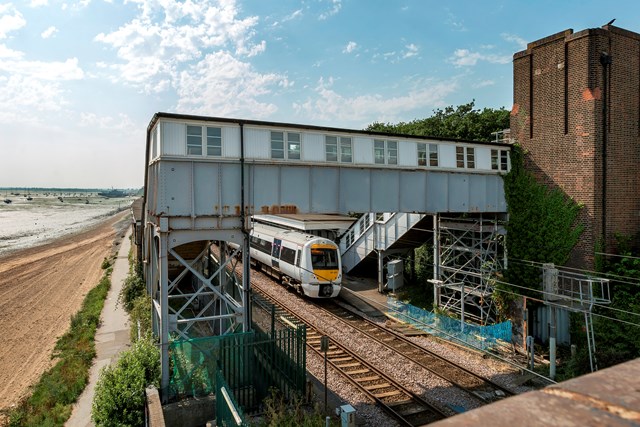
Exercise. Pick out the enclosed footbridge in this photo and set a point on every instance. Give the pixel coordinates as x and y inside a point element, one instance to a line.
<point>206,176</point>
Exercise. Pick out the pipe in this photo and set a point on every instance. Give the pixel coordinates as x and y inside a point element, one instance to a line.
<point>246,282</point>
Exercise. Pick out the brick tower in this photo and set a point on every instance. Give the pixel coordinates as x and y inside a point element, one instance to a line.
<point>576,112</point>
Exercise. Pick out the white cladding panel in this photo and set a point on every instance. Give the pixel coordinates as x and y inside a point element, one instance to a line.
<point>174,139</point>
<point>257,143</point>
<point>313,147</point>
<point>447,156</point>
<point>407,153</point>
<point>231,142</point>
<point>362,150</point>
<point>155,141</point>
<point>483,158</point>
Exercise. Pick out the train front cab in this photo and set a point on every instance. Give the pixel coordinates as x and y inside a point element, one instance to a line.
<point>325,264</point>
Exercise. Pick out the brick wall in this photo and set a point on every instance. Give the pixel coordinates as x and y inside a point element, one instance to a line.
<point>557,118</point>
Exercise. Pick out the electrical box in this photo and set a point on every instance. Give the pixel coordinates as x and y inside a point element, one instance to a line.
<point>395,279</point>
<point>347,416</point>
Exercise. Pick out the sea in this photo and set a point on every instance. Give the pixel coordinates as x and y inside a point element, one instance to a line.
<point>35,218</point>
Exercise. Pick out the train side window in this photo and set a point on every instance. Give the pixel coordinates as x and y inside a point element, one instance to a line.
<point>298,256</point>
<point>287,255</point>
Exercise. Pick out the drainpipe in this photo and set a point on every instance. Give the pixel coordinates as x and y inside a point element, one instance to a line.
<point>605,61</point>
<point>246,282</point>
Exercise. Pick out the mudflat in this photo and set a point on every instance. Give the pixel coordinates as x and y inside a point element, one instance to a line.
<point>40,289</point>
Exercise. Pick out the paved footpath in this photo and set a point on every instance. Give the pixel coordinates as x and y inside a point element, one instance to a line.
<point>111,337</point>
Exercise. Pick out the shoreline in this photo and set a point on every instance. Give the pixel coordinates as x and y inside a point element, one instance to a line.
<point>41,288</point>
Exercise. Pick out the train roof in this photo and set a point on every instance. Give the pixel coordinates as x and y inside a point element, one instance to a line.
<point>286,234</point>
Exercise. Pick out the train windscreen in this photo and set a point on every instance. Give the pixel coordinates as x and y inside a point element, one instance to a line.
<point>324,258</point>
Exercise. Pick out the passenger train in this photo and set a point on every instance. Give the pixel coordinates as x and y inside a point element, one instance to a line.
<point>310,264</point>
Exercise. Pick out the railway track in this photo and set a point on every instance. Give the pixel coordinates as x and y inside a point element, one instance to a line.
<point>398,401</point>
<point>476,386</point>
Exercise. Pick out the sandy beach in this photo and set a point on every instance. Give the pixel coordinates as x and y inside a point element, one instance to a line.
<point>43,285</point>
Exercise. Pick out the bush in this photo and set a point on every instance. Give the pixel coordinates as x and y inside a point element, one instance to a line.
<point>132,288</point>
<point>119,395</point>
<point>140,314</point>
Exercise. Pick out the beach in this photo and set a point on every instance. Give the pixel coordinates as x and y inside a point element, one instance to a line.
<point>50,257</point>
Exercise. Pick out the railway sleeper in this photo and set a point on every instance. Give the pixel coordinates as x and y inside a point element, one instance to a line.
<point>388,394</point>
<point>376,386</point>
<point>342,359</point>
<point>359,371</point>
<point>365,379</point>
<point>348,365</point>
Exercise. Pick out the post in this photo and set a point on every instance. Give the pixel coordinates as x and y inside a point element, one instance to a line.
<point>380,270</point>
<point>530,348</point>
<point>164,315</point>
<point>436,262</point>
<point>324,347</point>
<point>552,344</point>
<point>461,306</point>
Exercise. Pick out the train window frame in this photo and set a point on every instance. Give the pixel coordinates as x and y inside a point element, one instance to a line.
<point>499,160</point>
<point>331,148</point>
<point>434,157</point>
<point>277,145</point>
<point>298,256</point>
<point>346,149</point>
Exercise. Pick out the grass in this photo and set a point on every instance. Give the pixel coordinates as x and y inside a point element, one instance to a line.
<point>52,397</point>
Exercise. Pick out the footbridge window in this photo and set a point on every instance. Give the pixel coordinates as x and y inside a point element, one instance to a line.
<point>500,160</point>
<point>466,157</point>
<point>333,143</point>
<point>285,145</point>
<point>212,143</point>
<point>385,152</point>
<point>427,154</point>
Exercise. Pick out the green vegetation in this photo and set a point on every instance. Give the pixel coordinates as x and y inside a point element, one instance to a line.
<point>617,336</point>
<point>462,122</point>
<point>120,392</point>
<point>279,414</point>
<point>52,398</point>
<point>133,297</point>
<point>542,228</point>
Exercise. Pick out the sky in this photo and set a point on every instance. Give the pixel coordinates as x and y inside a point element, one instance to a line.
<point>80,80</point>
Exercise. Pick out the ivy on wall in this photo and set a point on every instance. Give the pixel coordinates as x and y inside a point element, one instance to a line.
<point>542,228</point>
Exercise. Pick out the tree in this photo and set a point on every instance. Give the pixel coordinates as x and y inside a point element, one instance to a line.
<point>462,122</point>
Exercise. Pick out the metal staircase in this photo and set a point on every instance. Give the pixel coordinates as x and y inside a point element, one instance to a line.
<point>385,232</point>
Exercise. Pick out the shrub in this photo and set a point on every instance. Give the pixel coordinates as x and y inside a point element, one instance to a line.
<point>119,395</point>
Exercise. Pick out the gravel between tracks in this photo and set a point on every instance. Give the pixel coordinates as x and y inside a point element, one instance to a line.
<point>434,389</point>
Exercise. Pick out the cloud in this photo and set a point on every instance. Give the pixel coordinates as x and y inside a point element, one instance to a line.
<point>483,83</point>
<point>330,106</point>
<point>292,16</point>
<point>21,96</point>
<point>37,3</point>
<point>466,58</point>
<point>350,47</point>
<point>221,84</point>
<point>49,32</point>
<point>411,50</point>
<point>6,52</point>
<point>519,41</point>
<point>168,36</point>
<point>10,20</point>
<point>45,71</point>
<point>336,5</point>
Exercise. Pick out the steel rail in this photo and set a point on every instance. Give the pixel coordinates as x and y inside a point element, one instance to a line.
<point>397,400</point>
<point>475,385</point>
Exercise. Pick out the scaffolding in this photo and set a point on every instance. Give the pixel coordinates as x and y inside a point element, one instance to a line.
<point>468,252</point>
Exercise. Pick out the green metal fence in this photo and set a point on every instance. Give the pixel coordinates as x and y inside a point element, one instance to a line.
<point>228,412</point>
<point>251,363</point>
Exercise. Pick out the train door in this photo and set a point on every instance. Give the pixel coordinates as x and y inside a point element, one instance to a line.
<point>275,253</point>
